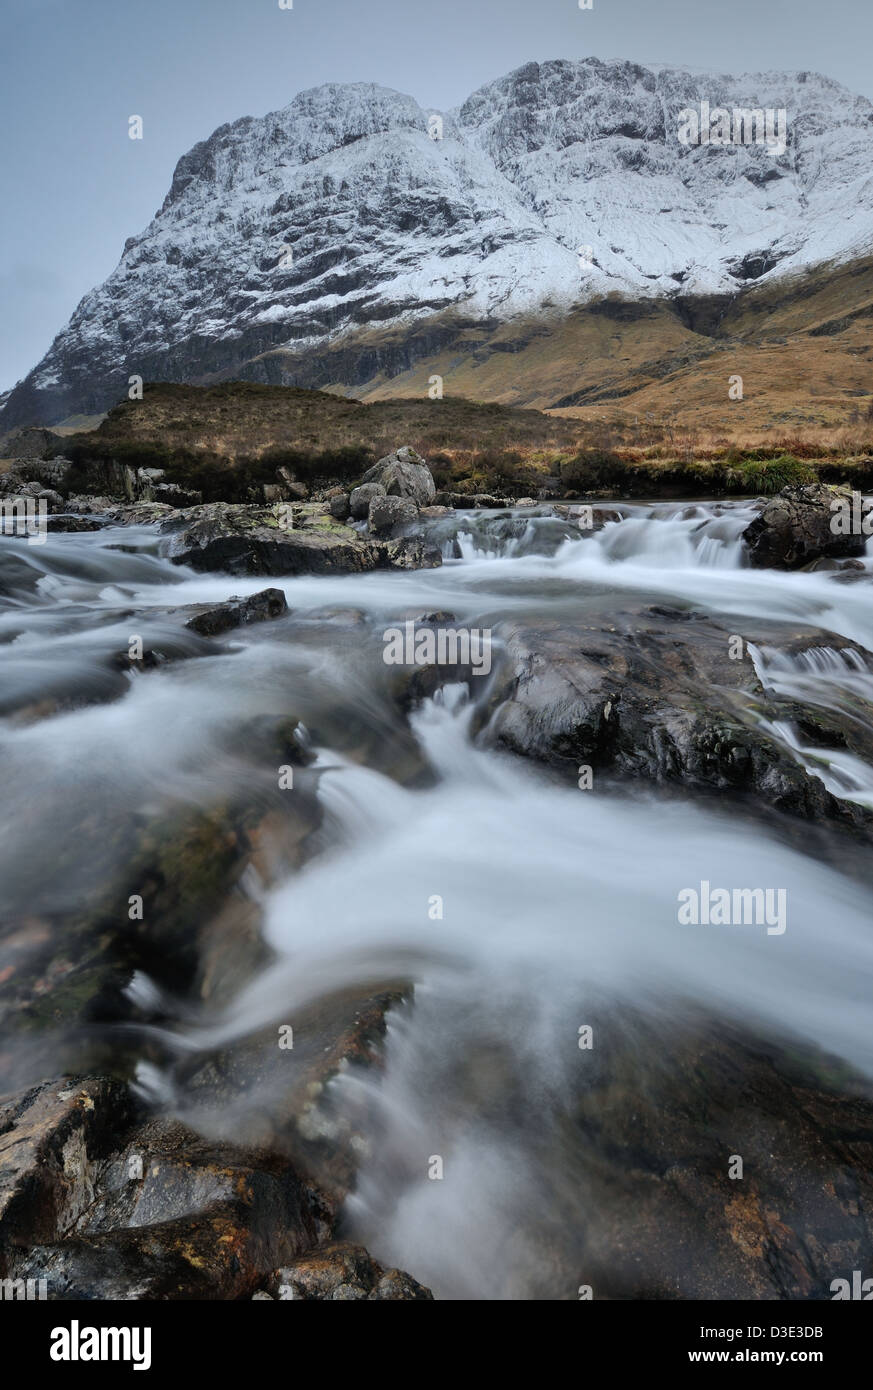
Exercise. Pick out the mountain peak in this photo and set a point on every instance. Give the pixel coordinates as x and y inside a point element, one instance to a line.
<point>353,213</point>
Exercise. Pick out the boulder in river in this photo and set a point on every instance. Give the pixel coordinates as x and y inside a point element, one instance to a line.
<point>403,474</point>
<point>388,515</point>
<point>242,539</point>
<point>627,697</point>
<point>797,526</point>
<point>238,612</point>
<point>105,1203</point>
<point>361,497</point>
<point>52,1138</point>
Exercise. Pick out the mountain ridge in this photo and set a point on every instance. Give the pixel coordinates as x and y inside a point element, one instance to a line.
<point>289,241</point>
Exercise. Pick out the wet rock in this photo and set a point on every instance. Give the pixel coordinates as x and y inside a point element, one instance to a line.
<point>470,501</point>
<point>242,539</point>
<point>343,1272</point>
<point>651,1145</point>
<point>52,1138</point>
<point>219,1255</point>
<point>403,474</point>
<point>339,506</point>
<point>265,1095</point>
<point>238,612</point>
<point>410,553</point>
<point>67,522</point>
<point>795,527</point>
<point>361,497</point>
<point>574,512</point>
<point>656,695</point>
<point>119,514</point>
<point>388,515</point>
<point>103,1204</point>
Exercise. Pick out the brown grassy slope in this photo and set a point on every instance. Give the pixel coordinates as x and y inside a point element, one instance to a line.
<point>802,346</point>
<point>242,420</point>
<point>229,439</point>
<point>805,353</point>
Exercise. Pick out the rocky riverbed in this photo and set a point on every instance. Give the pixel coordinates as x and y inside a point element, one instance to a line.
<point>319,966</point>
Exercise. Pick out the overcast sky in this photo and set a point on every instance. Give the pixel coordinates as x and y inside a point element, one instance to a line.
<point>74,187</point>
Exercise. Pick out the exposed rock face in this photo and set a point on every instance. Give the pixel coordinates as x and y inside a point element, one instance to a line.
<point>241,539</point>
<point>796,527</point>
<point>628,698</point>
<point>361,497</point>
<point>104,1203</point>
<point>27,481</point>
<point>237,612</point>
<point>280,234</point>
<point>403,474</point>
<point>251,540</point>
<point>389,514</point>
<point>342,1272</point>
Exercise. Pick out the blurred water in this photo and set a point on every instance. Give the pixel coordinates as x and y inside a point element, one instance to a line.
<point>514,903</point>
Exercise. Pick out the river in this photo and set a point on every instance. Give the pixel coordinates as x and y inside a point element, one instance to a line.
<point>523,907</point>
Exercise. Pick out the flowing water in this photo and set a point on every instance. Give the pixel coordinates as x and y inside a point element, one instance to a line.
<point>521,907</point>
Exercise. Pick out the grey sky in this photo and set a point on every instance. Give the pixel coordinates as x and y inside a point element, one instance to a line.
<point>73,71</point>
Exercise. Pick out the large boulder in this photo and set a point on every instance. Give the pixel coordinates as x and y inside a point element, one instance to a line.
<point>239,612</point>
<point>404,474</point>
<point>243,539</point>
<point>797,526</point>
<point>569,694</point>
<point>388,515</point>
<point>359,502</point>
<point>305,539</point>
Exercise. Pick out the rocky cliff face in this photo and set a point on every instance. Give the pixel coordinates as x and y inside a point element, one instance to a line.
<point>317,228</point>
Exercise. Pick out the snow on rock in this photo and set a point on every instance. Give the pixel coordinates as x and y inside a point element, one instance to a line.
<point>340,213</point>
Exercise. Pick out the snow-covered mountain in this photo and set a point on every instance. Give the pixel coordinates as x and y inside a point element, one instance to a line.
<point>325,224</point>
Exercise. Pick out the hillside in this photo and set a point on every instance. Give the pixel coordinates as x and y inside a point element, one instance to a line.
<point>223,439</point>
